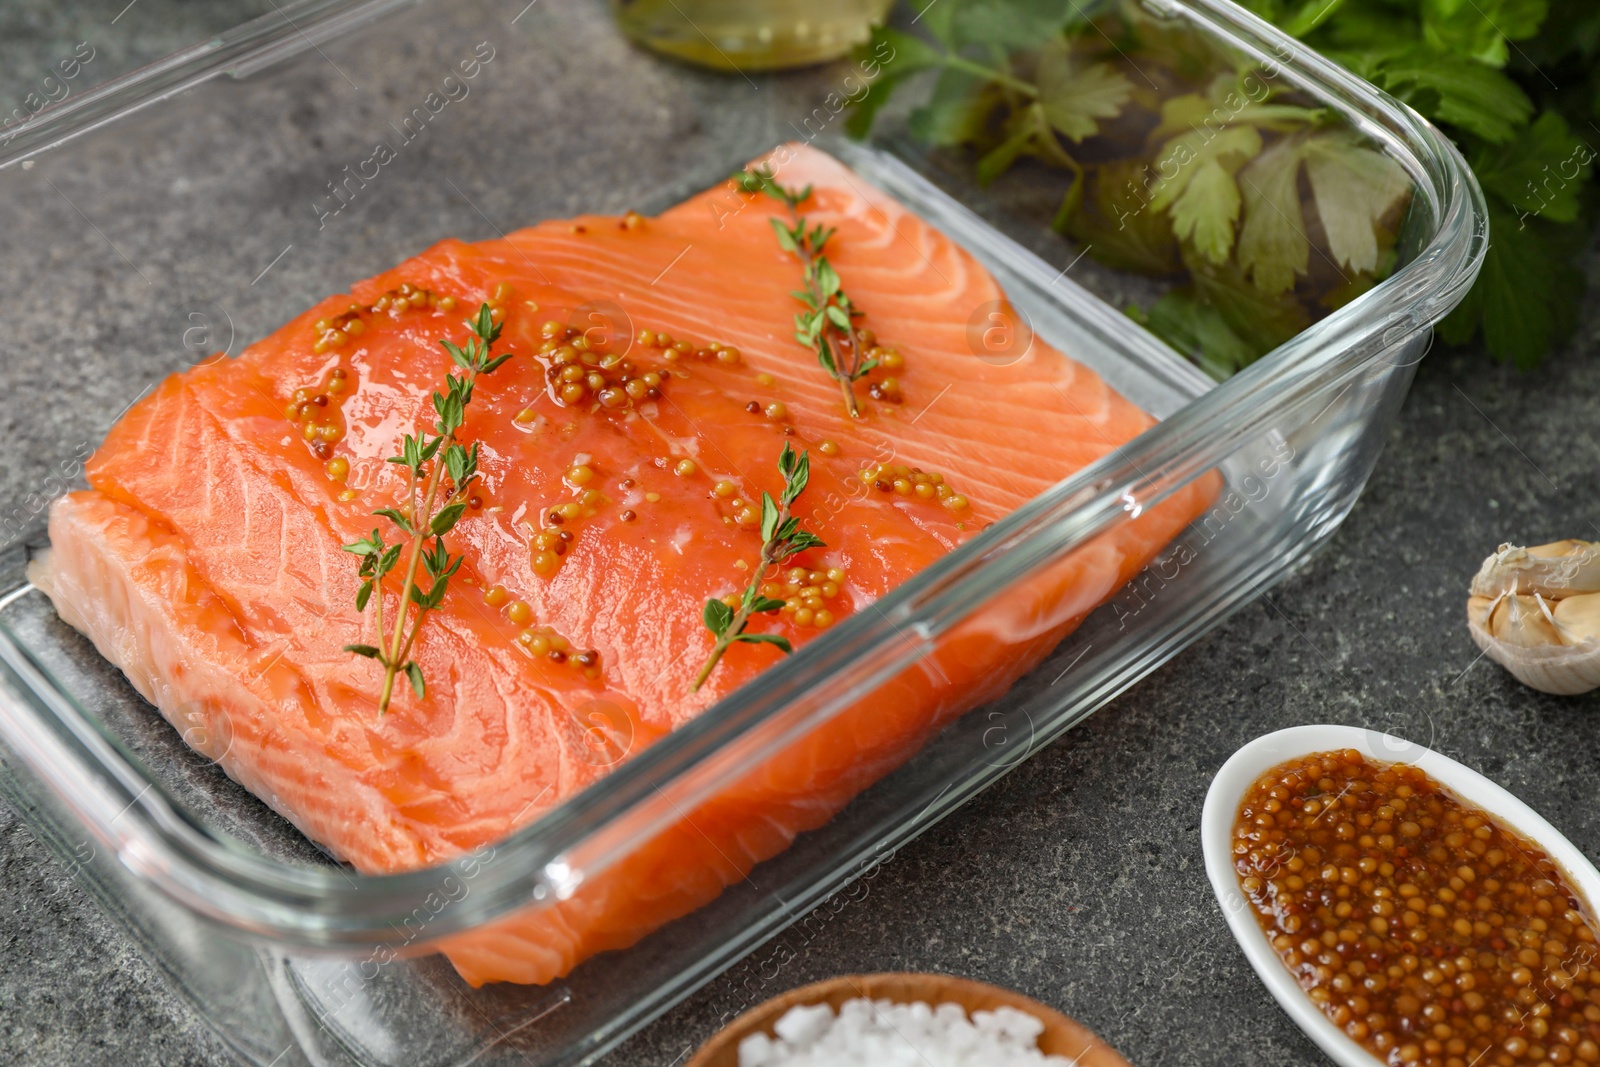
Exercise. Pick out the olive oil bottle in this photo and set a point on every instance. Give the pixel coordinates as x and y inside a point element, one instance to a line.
<point>746,35</point>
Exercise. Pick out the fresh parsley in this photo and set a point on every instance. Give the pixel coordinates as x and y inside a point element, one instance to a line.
<point>1269,212</point>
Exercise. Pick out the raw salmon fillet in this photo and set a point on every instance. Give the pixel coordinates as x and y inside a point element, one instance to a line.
<point>205,560</point>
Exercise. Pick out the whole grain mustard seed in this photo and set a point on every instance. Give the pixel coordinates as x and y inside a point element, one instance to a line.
<point>887,390</point>
<point>805,593</point>
<point>553,540</point>
<point>901,480</point>
<point>581,374</point>
<point>407,297</point>
<point>1423,929</point>
<point>543,642</point>
<point>315,410</point>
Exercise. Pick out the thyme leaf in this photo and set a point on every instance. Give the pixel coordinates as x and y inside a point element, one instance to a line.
<point>431,513</point>
<point>782,538</point>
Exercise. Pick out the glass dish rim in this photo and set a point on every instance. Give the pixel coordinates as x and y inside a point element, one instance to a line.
<point>320,907</point>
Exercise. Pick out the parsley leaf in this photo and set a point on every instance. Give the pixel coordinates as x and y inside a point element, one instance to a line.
<point>1367,24</point>
<point>1207,210</point>
<point>1198,330</point>
<point>1005,23</point>
<point>956,112</point>
<point>1076,97</point>
<point>1453,90</point>
<point>1480,29</point>
<point>1116,221</point>
<point>1295,19</point>
<point>1354,187</point>
<point>1273,246</point>
<point>1201,192</point>
<point>894,57</point>
<point>1528,294</point>
<point>1264,321</point>
<point>1541,172</point>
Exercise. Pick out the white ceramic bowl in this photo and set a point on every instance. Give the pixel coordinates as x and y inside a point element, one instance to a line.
<point>1264,753</point>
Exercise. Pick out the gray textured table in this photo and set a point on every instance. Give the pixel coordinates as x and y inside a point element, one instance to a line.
<point>1078,879</point>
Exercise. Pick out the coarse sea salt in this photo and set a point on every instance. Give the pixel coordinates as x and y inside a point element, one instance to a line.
<point>881,1033</point>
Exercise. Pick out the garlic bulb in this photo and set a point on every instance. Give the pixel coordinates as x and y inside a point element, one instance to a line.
<point>1536,612</point>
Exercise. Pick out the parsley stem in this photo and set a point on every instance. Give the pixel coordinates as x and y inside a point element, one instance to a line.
<point>989,73</point>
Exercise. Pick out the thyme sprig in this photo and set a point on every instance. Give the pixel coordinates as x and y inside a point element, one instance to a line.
<point>828,325</point>
<point>782,538</point>
<point>427,515</point>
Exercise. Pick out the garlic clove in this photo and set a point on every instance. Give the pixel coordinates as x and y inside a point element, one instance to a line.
<point>1559,548</point>
<point>1578,618</point>
<point>1524,621</point>
<point>1478,610</point>
<point>1556,570</point>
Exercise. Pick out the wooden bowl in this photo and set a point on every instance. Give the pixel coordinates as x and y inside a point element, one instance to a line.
<point>1061,1037</point>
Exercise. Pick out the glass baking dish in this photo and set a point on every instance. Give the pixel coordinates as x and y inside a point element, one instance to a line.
<point>183,210</point>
